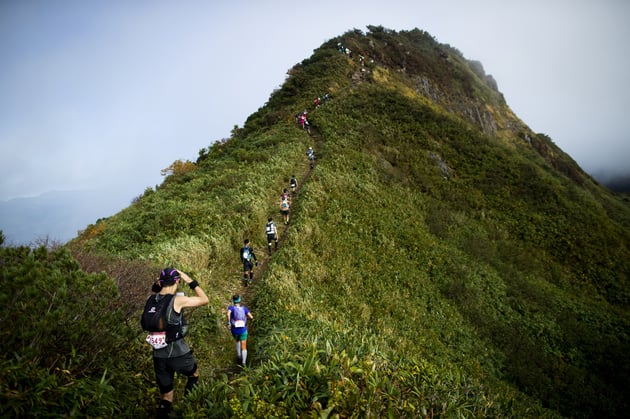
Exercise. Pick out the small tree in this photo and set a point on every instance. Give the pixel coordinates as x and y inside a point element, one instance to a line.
<point>178,167</point>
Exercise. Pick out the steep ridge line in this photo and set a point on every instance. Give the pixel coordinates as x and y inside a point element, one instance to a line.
<point>247,291</point>
<point>317,140</point>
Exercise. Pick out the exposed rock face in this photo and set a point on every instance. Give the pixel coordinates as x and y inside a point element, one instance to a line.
<point>473,112</point>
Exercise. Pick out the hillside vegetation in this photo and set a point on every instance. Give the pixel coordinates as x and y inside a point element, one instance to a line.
<point>442,260</point>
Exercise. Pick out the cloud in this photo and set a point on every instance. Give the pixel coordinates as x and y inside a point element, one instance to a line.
<point>111,93</point>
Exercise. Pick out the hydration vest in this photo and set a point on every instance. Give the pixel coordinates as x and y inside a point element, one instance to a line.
<point>246,255</point>
<point>270,227</point>
<point>156,314</point>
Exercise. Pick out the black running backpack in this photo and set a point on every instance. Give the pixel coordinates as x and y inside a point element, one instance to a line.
<point>154,317</point>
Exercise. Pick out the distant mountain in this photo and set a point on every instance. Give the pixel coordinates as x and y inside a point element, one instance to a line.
<point>616,183</point>
<point>56,215</point>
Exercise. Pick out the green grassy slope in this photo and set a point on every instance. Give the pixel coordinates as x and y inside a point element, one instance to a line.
<point>441,260</point>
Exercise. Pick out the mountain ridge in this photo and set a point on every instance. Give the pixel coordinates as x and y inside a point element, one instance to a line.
<point>441,258</point>
<point>508,199</point>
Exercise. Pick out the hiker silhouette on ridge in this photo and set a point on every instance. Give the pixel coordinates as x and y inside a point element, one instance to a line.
<point>272,234</point>
<point>293,185</point>
<point>304,121</point>
<point>247,254</point>
<point>237,315</point>
<point>171,353</point>
<point>285,206</point>
<point>311,156</point>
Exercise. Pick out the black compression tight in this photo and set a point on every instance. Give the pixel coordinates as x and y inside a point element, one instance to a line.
<point>190,384</point>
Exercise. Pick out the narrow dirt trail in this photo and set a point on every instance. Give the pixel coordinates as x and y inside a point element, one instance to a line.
<point>247,292</point>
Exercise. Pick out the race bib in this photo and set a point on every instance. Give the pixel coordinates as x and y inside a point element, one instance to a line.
<point>239,323</point>
<point>157,340</point>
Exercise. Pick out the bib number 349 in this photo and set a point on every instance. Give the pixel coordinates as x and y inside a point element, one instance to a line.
<point>157,340</point>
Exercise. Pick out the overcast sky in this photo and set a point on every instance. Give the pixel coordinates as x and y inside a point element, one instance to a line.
<point>105,94</point>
